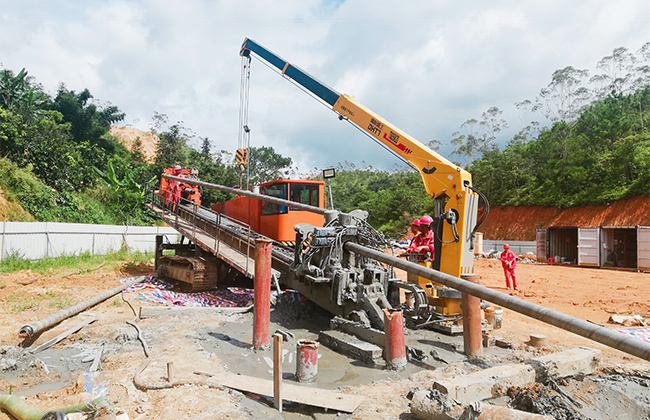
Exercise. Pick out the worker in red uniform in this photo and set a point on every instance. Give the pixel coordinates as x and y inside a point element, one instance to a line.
<point>509,262</point>
<point>176,187</point>
<point>423,243</point>
<point>414,230</point>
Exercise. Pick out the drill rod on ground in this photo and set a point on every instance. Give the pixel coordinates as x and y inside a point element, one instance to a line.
<point>586,329</point>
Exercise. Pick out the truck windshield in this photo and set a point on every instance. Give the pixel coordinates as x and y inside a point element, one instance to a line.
<point>274,190</point>
<point>305,194</point>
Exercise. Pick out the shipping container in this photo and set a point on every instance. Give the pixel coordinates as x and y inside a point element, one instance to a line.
<point>569,245</point>
<point>643,248</point>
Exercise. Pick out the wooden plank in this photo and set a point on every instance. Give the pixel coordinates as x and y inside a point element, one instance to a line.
<point>63,335</point>
<point>277,372</point>
<point>301,394</point>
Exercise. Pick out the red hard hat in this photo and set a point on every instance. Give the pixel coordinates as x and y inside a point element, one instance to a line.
<point>416,222</point>
<point>506,246</point>
<point>426,220</point>
<point>177,168</point>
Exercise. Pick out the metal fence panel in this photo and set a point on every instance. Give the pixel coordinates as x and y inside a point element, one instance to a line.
<point>518,247</point>
<point>36,240</point>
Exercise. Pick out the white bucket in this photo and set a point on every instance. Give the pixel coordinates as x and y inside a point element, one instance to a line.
<point>494,317</point>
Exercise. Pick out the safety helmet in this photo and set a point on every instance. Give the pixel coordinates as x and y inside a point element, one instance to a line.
<point>426,220</point>
<point>506,246</point>
<point>416,222</point>
<point>177,168</point>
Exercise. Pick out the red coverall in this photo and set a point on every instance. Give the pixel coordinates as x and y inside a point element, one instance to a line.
<point>509,256</point>
<point>423,240</point>
<point>176,187</point>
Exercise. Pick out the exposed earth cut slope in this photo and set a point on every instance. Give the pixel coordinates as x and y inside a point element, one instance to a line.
<point>519,223</point>
<point>129,137</point>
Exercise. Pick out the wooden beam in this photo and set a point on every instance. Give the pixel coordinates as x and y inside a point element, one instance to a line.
<point>301,394</point>
<point>277,371</point>
<point>63,335</point>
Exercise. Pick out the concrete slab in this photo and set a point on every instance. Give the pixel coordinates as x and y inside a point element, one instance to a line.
<point>579,360</point>
<point>351,346</point>
<point>484,384</point>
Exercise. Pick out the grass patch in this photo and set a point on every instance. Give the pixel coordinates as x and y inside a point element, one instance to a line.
<point>118,302</point>
<point>79,263</point>
<point>21,303</point>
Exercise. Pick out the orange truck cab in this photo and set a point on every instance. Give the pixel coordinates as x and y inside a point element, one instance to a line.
<point>273,220</point>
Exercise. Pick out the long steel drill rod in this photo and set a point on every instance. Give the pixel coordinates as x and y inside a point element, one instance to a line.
<point>43,324</point>
<point>594,332</point>
<point>275,200</point>
<point>606,336</point>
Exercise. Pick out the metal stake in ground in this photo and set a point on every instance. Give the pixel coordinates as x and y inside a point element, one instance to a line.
<point>262,306</point>
<point>306,360</point>
<point>395,344</point>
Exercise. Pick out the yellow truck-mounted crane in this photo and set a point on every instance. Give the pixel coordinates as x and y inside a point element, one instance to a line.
<point>450,185</point>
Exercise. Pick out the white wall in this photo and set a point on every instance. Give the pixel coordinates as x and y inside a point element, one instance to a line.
<point>36,240</point>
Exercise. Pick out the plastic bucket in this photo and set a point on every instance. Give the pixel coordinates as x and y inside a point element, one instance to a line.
<point>494,317</point>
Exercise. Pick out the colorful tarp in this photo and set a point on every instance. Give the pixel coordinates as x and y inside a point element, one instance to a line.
<point>640,333</point>
<point>158,291</point>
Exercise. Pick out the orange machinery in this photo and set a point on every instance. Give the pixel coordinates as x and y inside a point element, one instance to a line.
<point>273,220</point>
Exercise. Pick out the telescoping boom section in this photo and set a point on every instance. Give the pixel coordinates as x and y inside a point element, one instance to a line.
<point>444,181</point>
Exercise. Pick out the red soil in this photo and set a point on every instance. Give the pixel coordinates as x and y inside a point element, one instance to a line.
<point>519,223</point>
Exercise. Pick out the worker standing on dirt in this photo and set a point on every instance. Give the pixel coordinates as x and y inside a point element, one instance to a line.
<point>509,262</point>
<point>423,243</point>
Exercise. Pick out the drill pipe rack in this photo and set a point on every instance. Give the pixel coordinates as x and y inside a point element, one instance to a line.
<point>583,328</point>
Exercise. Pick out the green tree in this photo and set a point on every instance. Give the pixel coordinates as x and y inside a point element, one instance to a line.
<point>566,94</point>
<point>19,95</point>
<point>480,136</point>
<point>88,122</point>
<point>265,164</point>
<point>173,147</point>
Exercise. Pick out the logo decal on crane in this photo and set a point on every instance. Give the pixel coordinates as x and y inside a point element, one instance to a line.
<point>375,127</point>
<point>394,138</point>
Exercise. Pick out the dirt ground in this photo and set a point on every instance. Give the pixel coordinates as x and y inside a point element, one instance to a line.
<point>590,294</point>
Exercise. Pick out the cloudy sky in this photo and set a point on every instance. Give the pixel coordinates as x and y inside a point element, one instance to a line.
<point>425,66</point>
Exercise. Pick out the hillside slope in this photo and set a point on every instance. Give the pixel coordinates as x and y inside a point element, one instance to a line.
<point>520,223</point>
<point>128,136</point>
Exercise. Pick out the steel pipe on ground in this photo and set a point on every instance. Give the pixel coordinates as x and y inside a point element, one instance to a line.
<point>586,329</point>
<point>42,325</point>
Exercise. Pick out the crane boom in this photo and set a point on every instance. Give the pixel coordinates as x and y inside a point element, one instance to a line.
<point>444,181</point>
